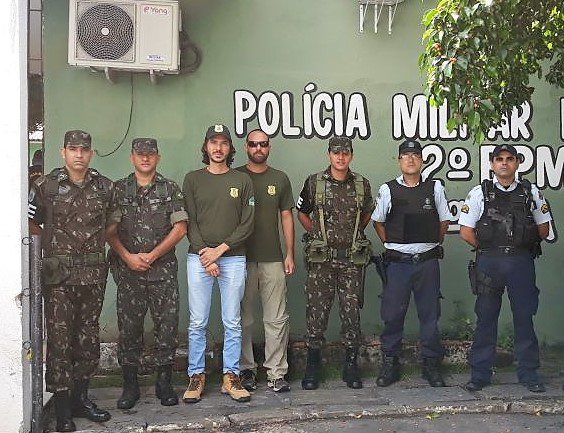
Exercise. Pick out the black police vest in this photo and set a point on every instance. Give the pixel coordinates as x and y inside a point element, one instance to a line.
<point>507,219</point>
<point>413,217</point>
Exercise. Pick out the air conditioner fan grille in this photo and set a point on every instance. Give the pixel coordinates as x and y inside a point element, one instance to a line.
<point>105,32</point>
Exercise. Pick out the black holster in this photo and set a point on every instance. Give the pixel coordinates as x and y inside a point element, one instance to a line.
<point>480,283</point>
<point>380,265</point>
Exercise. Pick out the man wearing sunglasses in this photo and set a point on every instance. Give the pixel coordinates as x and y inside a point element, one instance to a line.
<point>267,268</point>
<point>411,219</point>
<point>334,207</point>
<point>505,219</point>
<point>147,221</point>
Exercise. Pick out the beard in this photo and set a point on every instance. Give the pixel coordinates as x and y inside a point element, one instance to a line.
<point>258,158</point>
<point>218,158</point>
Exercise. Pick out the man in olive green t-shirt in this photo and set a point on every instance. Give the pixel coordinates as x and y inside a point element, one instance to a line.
<point>266,266</point>
<point>220,206</point>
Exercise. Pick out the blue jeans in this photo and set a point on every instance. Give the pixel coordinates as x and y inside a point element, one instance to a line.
<point>231,282</point>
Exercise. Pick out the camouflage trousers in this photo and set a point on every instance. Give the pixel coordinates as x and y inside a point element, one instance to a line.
<point>134,298</point>
<point>323,281</point>
<point>73,333</point>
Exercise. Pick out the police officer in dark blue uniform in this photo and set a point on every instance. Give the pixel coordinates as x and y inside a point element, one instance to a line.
<point>411,218</point>
<point>505,219</point>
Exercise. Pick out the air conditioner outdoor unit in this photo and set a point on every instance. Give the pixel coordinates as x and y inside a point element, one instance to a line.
<point>125,35</point>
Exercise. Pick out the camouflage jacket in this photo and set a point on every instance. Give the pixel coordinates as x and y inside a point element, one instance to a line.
<point>145,216</point>
<point>339,210</point>
<point>74,219</point>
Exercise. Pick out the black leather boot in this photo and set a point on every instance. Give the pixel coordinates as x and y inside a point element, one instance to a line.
<point>313,369</point>
<point>431,371</point>
<point>351,372</point>
<point>83,407</point>
<point>130,393</point>
<point>163,387</point>
<point>389,371</point>
<point>63,412</point>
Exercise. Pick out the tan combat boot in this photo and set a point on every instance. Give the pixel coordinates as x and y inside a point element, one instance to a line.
<point>193,393</point>
<point>232,386</point>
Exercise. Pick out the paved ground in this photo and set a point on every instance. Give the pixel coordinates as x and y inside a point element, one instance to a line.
<point>421,408</point>
<point>514,423</point>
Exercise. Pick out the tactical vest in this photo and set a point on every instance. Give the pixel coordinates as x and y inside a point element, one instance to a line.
<point>64,232</point>
<point>413,217</point>
<point>317,250</point>
<point>507,220</point>
<point>145,223</point>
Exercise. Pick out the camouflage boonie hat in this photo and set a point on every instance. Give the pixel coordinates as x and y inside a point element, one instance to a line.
<point>144,145</point>
<point>218,129</point>
<point>77,137</point>
<point>340,144</point>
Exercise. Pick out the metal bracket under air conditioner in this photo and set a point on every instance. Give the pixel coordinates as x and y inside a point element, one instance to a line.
<point>110,75</point>
<point>378,8</point>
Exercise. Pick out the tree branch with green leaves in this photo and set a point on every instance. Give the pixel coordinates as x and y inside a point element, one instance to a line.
<point>479,57</point>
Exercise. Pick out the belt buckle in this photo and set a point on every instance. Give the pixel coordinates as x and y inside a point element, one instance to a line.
<point>415,258</point>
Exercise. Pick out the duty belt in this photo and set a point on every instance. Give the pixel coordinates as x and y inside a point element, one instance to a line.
<point>396,256</point>
<point>503,251</point>
<point>88,259</point>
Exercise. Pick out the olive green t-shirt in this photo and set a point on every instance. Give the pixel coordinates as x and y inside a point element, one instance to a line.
<point>220,210</point>
<point>273,193</point>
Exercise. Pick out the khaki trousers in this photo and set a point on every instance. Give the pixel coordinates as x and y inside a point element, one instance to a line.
<point>268,280</point>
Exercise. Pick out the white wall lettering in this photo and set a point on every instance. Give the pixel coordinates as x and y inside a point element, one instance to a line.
<point>323,114</point>
<point>516,126</point>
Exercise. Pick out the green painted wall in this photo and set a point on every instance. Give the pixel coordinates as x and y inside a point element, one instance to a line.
<point>261,45</point>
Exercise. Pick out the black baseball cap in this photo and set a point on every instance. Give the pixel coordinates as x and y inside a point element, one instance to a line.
<point>144,145</point>
<point>77,137</point>
<point>218,129</point>
<point>410,146</point>
<point>501,148</point>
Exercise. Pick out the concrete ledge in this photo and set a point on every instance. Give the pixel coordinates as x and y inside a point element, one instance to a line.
<point>457,352</point>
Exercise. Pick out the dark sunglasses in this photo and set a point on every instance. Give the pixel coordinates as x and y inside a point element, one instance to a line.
<point>263,144</point>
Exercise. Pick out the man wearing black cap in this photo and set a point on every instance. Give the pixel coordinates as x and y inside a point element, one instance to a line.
<point>334,207</point>
<point>505,219</point>
<point>72,205</point>
<point>411,219</point>
<point>221,206</point>
<point>147,221</point>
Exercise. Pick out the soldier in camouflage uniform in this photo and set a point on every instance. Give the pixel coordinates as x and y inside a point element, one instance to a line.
<point>334,207</point>
<point>147,221</point>
<point>72,204</point>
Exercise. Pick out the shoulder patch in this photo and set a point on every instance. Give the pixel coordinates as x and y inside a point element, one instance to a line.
<point>545,208</point>
<point>251,201</point>
<point>465,208</point>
